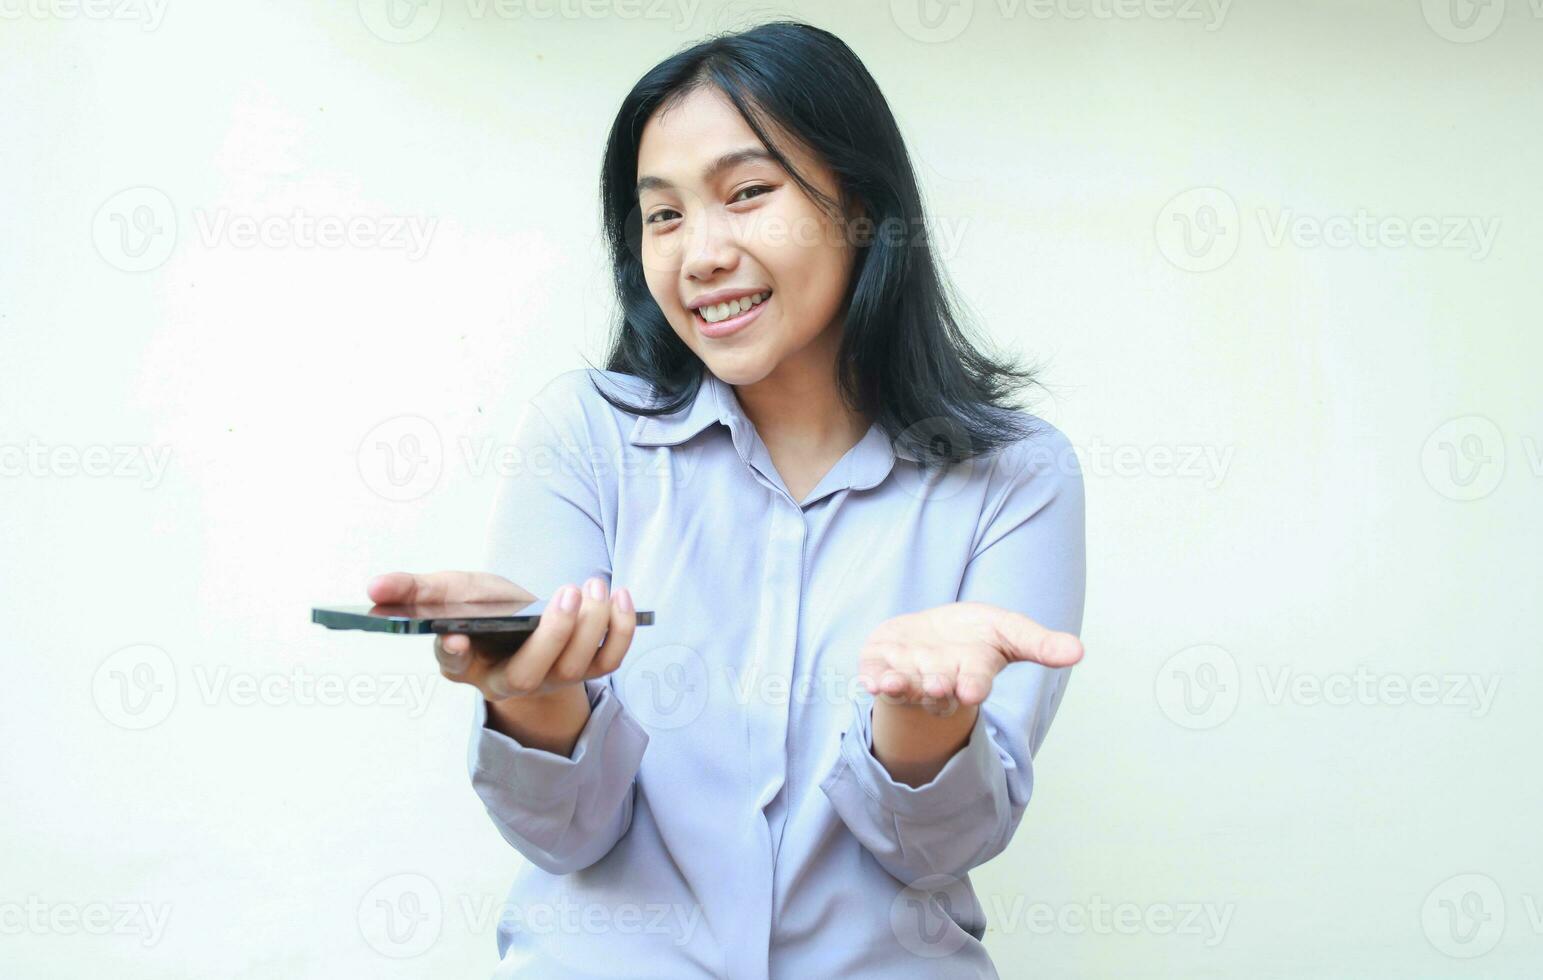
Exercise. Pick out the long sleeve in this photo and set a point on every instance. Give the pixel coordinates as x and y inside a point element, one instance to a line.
<point>562,813</point>
<point>1030,557</point>
<point>548,529</point>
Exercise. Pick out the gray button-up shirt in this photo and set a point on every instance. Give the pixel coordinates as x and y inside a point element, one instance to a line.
<point>722,814</point>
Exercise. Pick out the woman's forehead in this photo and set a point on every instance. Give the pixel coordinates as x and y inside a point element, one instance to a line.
<point>681,142</point>
<point>699,125</point>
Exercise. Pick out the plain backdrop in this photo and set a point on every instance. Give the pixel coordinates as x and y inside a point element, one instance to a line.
<point>276,278</point>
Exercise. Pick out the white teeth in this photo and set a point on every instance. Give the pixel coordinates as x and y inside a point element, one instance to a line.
<point>722,311</point>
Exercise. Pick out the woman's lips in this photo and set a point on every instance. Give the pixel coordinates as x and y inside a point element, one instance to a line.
<point>733,324</point>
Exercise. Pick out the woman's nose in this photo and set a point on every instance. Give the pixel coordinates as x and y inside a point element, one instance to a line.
<point>711,247</point>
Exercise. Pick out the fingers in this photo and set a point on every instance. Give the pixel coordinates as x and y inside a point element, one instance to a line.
<point>594,616</point>
<point>476,660</point>
<point>940,677</point>
<point>460,662</point>
<point>565,647</point>
<point>911,674</point>
<point>395,588</point>
<point>935,673</point>
<point>1024,639</point>
<point>453,651</point>
<point>618,635</point>
<point>526,673</point>
<point>879,666</point>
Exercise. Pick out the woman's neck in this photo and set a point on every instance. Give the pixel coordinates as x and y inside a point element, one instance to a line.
<point>798,409</point>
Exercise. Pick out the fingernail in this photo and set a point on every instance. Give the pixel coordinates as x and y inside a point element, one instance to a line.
<point>596,588</point>
<point>624,600</point>
<point>569,600</point>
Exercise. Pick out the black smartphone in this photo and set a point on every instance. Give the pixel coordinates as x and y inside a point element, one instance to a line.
<point>444,617</point>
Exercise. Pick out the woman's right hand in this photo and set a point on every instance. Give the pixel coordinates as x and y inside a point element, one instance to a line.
<point>567,647</point>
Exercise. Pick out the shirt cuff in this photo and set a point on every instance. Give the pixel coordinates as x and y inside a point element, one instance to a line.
<point>968,776</point>
<point>540,774</point>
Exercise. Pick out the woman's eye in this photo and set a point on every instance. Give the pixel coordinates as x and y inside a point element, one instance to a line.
<point>669,214</point>
<point>753,187</point>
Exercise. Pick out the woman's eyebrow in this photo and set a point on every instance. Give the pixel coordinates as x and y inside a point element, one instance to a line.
<point>711,172</point>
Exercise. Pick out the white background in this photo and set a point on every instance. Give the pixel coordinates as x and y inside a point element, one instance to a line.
<point>1290,537</point>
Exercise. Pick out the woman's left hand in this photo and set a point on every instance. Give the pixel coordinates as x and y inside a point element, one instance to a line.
<point>943,657</point>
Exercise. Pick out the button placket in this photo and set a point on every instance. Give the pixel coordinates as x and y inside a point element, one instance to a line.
<point>769,686</point>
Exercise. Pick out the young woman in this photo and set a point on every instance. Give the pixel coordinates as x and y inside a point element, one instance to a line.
<point>866,569</point>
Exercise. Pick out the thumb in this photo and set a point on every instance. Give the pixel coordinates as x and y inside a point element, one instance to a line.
<point>1028,641</point>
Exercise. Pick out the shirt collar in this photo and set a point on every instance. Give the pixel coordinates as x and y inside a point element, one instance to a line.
<point>864,466</point>
<point>708,406</point>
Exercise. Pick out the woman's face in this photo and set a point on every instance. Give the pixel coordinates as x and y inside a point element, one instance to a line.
<point>716,227</point>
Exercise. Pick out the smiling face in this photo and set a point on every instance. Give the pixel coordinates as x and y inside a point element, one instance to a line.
<point>723,221</point>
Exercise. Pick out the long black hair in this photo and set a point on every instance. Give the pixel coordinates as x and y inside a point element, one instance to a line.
<point>904,359</point>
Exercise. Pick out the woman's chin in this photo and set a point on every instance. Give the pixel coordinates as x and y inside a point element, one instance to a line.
<point>737,367</point>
